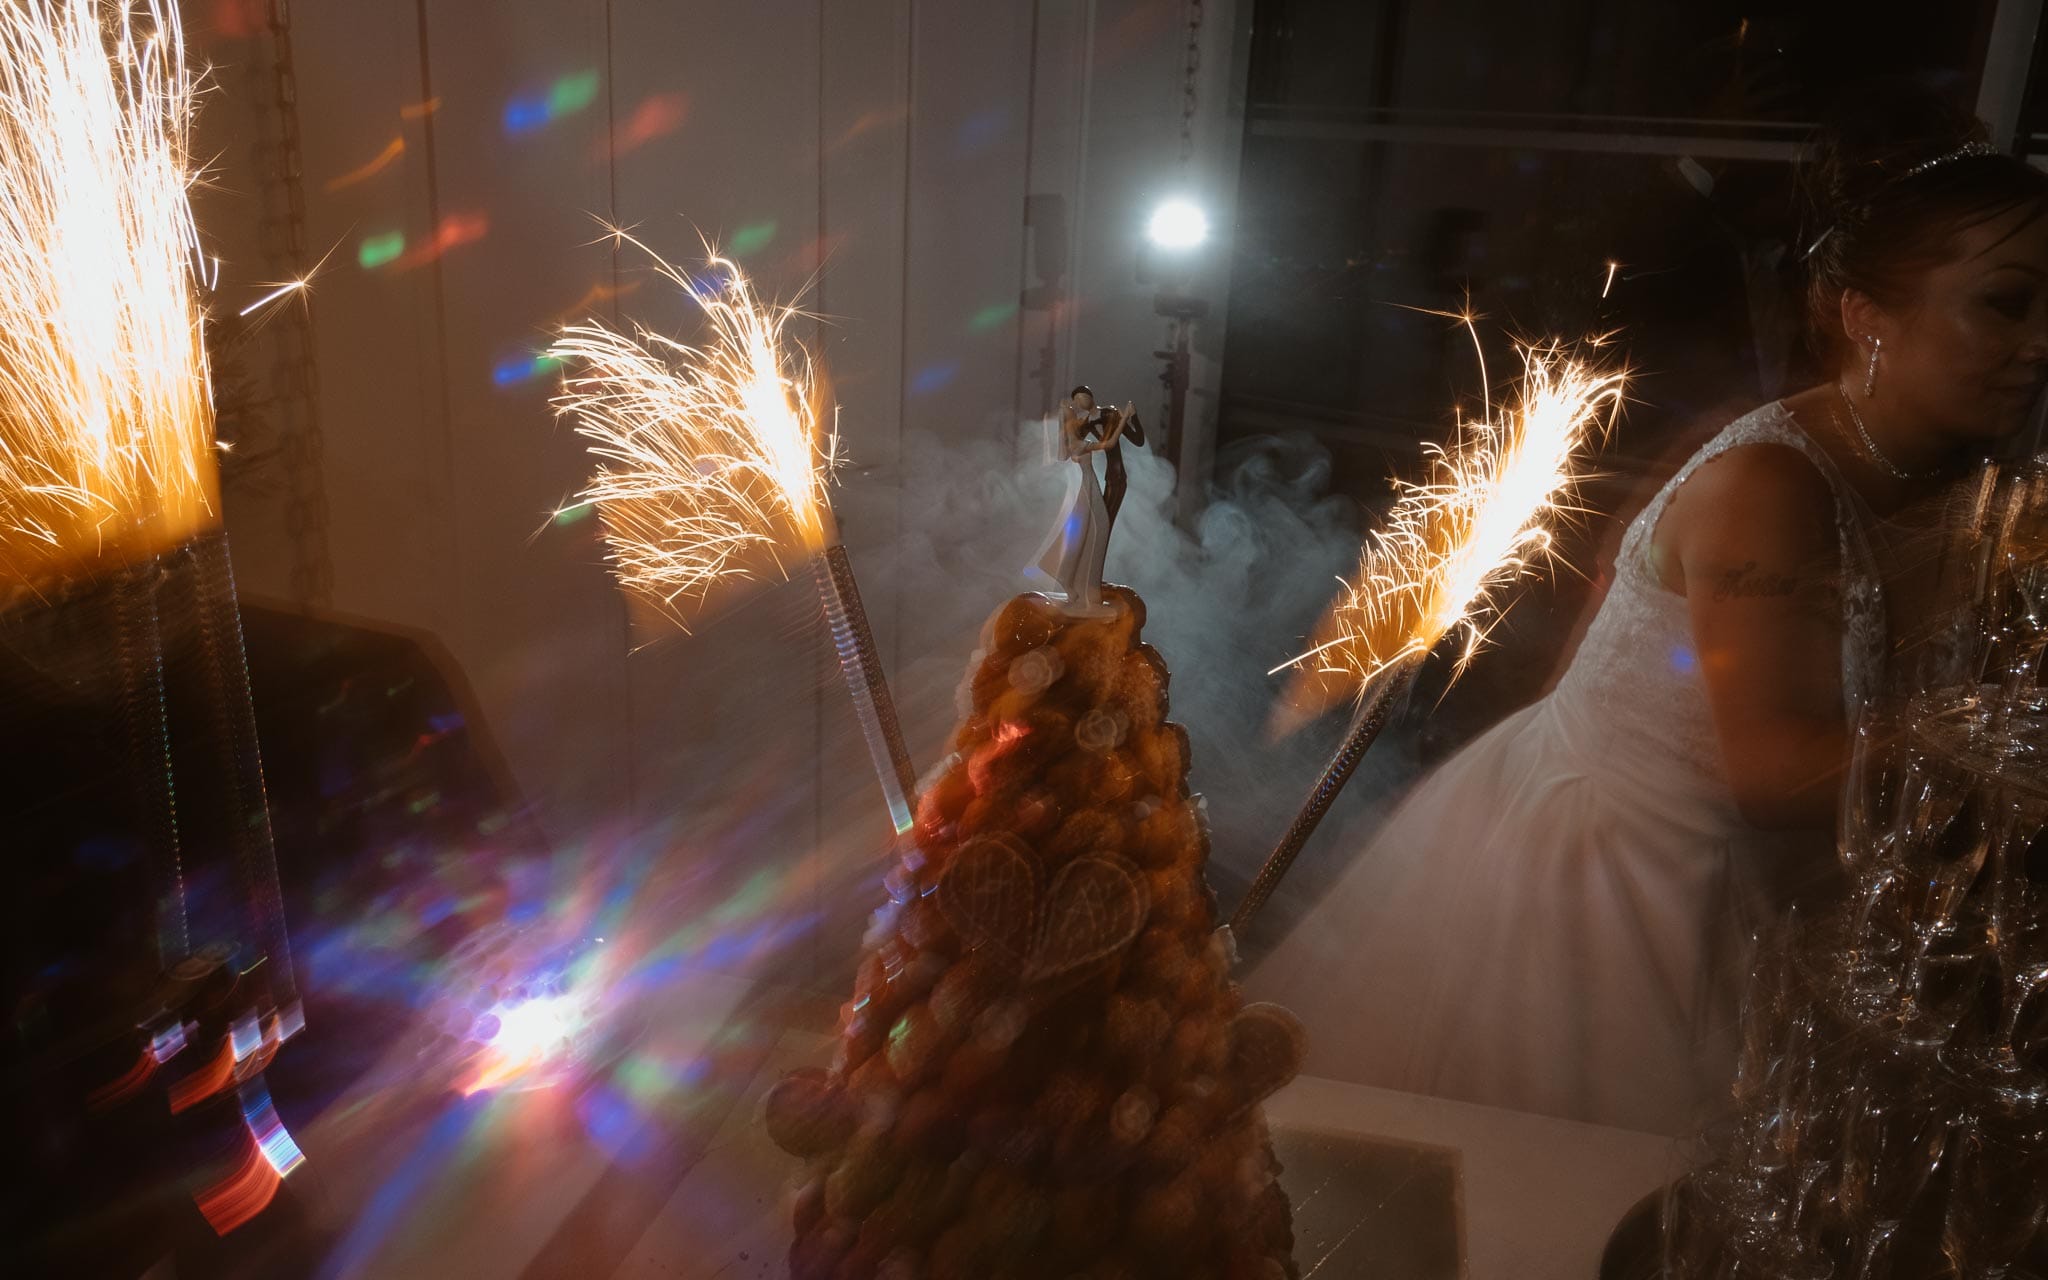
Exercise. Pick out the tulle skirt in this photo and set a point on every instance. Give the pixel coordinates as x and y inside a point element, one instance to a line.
<point>1539,930</point>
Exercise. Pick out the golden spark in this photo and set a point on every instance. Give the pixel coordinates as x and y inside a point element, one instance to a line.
<point>105,412</point>
<point>290,286</point>
<point>709,456</point>
<point>1478,520</point>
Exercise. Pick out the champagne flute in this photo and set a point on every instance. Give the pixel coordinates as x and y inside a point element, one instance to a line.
<point>2023,973</point>
<point>1945,985</point>
<point>1997,1203</point>
<point>1872,793</point>
<point>1949,856</point>
<point>1892,1142</point>
<point>2022,556</point>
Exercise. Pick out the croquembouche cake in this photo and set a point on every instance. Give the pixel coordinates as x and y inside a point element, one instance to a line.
<point>1045,1069</point>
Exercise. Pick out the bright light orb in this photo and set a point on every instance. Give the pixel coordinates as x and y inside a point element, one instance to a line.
<point>532,1036</point>
<point>1178,225</point>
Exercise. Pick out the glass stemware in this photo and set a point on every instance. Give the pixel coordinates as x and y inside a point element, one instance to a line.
<point>1872,792</point>
<point>1997,1204</point>
<point>1892,1143</point>
<point>2022,955</point>
<point>2022,556</point>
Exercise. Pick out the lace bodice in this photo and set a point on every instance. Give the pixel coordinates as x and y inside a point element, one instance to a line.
<point>1634,692</point>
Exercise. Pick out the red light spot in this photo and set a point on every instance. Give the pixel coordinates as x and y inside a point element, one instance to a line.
<point>127,1086</point>
<point>240,19</point>
<point>456,230</point>
<point>657,115</point>
<point>241,1195</point>
<point>206,1081</point>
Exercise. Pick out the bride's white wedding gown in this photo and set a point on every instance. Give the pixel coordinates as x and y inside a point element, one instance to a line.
<point>1559,919</point>
<point>1069,565</point>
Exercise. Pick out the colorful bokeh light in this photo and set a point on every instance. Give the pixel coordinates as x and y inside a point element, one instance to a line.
<point>992,316</point>
<point>752,238</point>
<point>522,368</point>
<point>378,250</point>
<point>532,112</point>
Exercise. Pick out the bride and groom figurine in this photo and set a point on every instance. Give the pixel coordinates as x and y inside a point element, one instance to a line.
<point>1070,563</point>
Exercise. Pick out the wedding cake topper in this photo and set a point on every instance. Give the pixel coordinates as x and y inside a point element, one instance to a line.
<point>1069,565</point>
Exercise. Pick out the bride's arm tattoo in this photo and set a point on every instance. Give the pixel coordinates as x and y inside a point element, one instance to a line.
<point>1749,581</point>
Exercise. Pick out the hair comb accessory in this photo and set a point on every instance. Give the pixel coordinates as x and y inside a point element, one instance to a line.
<point>1967,151</point>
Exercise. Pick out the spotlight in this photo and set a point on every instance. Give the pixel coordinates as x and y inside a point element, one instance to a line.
<point>1178,224</point>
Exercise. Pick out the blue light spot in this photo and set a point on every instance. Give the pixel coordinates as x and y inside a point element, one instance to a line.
<point>526,113</point>
<point>933,376</point>
<point>513,370</point>
<point>614,1126</point>
<point>1683,661</point>
<point>980,129</point>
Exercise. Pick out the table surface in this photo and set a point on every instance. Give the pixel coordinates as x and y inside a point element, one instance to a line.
<point>1385,1184</point>
<point>1530,1197</point>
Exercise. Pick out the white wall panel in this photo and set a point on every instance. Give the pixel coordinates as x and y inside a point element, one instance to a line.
<point>521,164</point>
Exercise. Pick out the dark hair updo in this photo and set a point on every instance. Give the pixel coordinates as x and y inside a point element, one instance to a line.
<point>1884,194</point>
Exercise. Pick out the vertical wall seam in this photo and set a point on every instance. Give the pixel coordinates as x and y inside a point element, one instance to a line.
<point>630,723</point>
<point>452,516</point>
<point>1024,235</point>
<point>903,323</point>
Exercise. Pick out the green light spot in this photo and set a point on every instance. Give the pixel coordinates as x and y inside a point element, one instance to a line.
<point>571,94</point>
<point>752,238</point>
<point>380,249</point>
<point>990,316</point>
<point>574,515</point>
<point>646,1081</point>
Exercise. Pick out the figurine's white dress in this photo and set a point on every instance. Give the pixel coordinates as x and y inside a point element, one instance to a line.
<point>1069,565</point>
<point>1559,919</point>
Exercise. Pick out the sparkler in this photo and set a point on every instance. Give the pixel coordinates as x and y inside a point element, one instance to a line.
<point>105,419</point>
<point>714,458</point>
<point>1478,521</point>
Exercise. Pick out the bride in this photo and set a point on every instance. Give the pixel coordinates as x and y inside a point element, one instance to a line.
<point>1558,920</point>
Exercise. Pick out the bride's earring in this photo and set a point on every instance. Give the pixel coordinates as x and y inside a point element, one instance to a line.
<point>1870,374</point>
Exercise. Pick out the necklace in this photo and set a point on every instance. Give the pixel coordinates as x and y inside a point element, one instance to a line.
<point>1870,446</point>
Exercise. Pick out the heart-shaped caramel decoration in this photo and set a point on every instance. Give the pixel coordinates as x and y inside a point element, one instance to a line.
<point>1266,1047</point>
<point>1094,907</point>
<point>989,894</point>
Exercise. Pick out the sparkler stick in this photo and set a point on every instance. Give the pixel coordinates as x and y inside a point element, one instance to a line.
<point>1478,521</point>
<point>105,423</point>
<point>106,417</point>
<point>1373,713</point>
<point>712,457</point>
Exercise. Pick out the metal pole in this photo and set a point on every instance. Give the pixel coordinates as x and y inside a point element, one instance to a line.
<point>1372,717</point>
<point>225,668</point>
<point>139,659</point>
<point>861,664</point>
